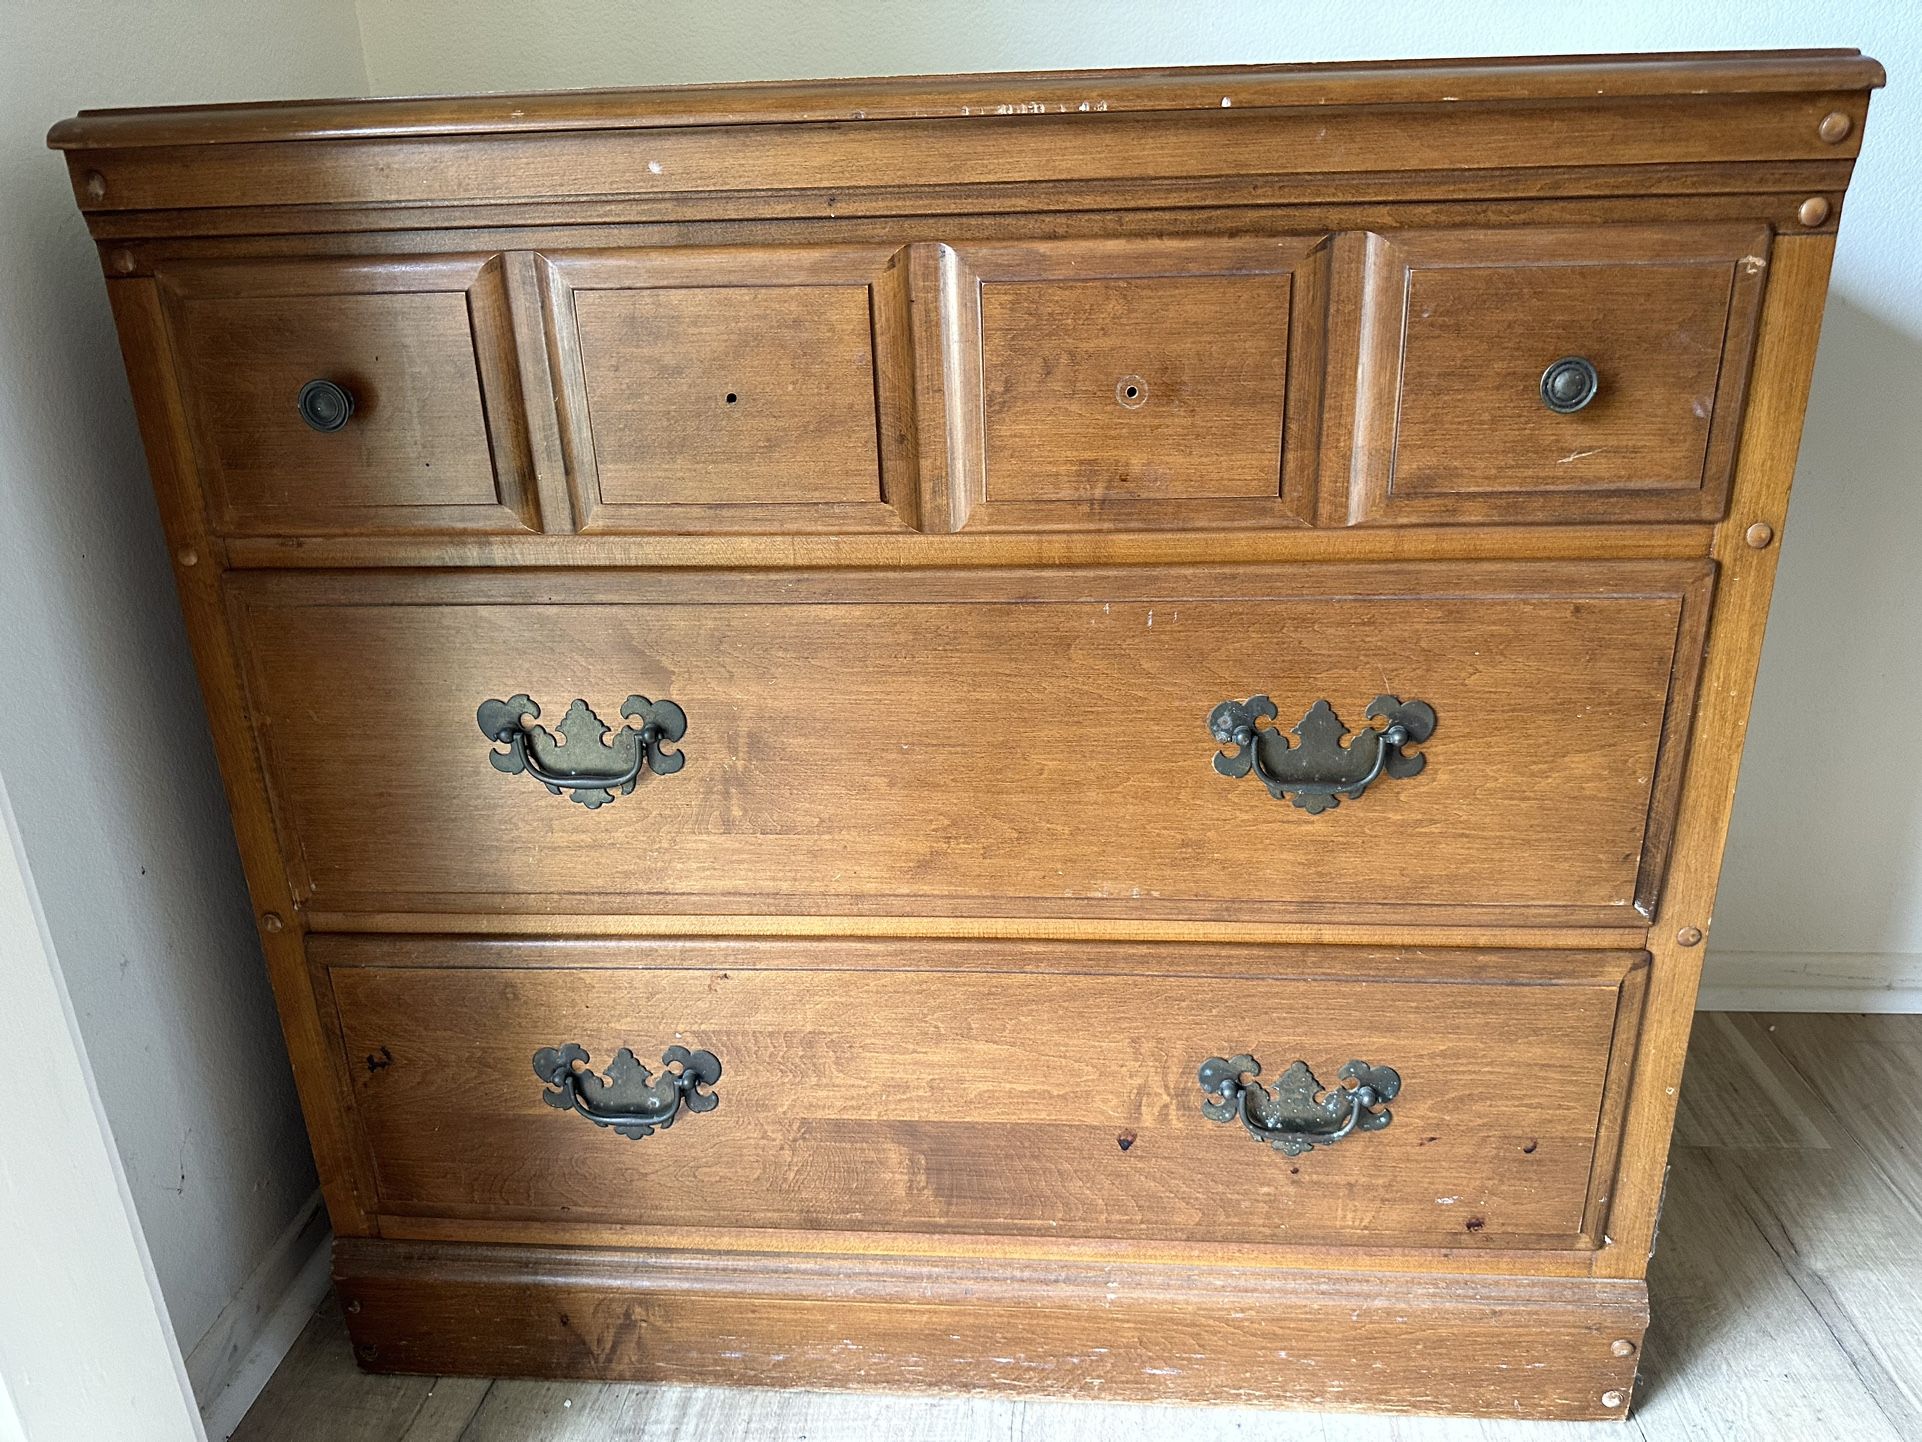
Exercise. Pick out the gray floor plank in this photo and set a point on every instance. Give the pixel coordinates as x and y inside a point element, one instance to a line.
<point>1736,1350</point>
<point>522,1411</point>
<point>1741,1091</point>
<point>318,1394</point>
<point>448,1410</point>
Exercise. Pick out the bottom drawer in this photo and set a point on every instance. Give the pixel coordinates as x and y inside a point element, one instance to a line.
<point>1011,1088</point>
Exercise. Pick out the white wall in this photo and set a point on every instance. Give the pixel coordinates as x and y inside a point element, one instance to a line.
<point>106,752</point>
<point>1824,871</point>
<point>92,1355</point>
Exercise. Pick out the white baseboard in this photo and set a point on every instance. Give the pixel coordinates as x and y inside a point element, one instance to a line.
<point>231,1364</point>
<point>1811,981</point>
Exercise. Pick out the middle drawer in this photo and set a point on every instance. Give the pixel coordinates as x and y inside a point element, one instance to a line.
<point>1152,742</point>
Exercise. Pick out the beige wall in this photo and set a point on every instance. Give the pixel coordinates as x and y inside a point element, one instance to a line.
<point>106,756</point>
<point>1825,857</point>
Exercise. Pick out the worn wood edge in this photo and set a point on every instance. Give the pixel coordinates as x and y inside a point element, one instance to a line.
<point>1587,77</point>
<point>1416,579</point>
<point>1483,1345</point>
<point>160,410</point>
<point>852,1276</point>
<point>610,551</point>
<point>1527,1256</point>
<point>1004,927</point>
<point>1768,192</point>
<point>521,924</point>
<point>1612,1118</point>
<point>1490,962</point>
<point>936,156</point>
<point>1765,467</point>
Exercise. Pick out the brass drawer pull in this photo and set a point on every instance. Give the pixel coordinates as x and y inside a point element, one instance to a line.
<point>1319,770</point>
<point>1298,1115</point>
<point>636,746</point>
<point>629,1098</point>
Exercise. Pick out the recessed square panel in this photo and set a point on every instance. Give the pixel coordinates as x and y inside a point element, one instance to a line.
<point>1650,330</point>
<point>421,426</point>
<point>1137,388</point>
<point>762,388</point>
<point>730,395</point>
<point>1134,384</point>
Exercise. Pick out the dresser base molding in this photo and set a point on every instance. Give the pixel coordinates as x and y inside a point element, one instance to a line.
<point>1476,1346</point>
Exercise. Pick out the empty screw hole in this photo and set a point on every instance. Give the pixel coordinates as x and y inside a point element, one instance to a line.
<point>732,398</point>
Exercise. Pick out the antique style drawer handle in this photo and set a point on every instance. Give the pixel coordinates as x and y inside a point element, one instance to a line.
<point>1318,771</point>
<point>636,746</point>
<point>1569,384</point>
<point>1298,1115</point>
<point>628,1099</point>
<point>324,405</point>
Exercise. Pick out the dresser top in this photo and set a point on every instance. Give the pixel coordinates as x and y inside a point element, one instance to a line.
<point>1606,78</point>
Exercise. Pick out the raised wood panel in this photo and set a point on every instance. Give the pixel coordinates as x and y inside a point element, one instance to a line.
<point>735,389</point>
<point>966,742</point>
<point>1459,326</point>
<point>1133,384</point>
<point>929,1099</point>
<point>438,438</point>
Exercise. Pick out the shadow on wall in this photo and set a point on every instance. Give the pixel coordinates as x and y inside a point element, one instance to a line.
<point>1825,851</point>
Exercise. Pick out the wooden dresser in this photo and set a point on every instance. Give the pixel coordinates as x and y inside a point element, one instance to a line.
<point>1057,733</point>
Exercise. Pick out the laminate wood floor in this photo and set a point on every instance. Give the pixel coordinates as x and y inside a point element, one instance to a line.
<point>1787,1292</point>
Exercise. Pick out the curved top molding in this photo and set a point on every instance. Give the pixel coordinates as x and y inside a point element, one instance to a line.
<point>1589,78</point>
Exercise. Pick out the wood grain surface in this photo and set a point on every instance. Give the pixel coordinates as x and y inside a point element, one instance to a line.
<point>437,439</point>
<point>927,1099</point>
<point>1451,425</point>
<point>1540,1348</point>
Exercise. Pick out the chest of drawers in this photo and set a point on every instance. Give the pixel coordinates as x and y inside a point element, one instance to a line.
<point>1057,733</point>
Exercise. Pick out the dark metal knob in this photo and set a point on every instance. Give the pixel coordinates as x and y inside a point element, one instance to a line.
<point>1569,384</point>
<point>324,405</point>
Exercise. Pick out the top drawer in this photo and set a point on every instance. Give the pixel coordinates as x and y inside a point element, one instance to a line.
<point>1094,384</point>
<point>328,397</point>
<point>1574,375</point>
